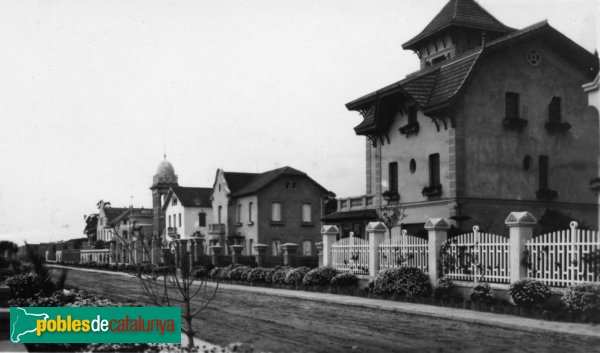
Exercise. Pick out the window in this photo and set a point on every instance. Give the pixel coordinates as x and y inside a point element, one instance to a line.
<point>174,202</point>
<point>306,213</point>
<point>511,101</point>
<point>412,115</point>
<point>201,219</point>
<point>276,212</point>
<point>239,213</point>
<point>180,220</point>
<point>413,166</point>
<point>526,162</point>
<point>434,169</point>
<point>307,248</point>
<point>393,180</point>
<point>124,234</point>
<point>250,212</point>
<point>124,222</point>
<point>543,170</point>
<point>219,209</point>
<point>250,244</point>
<point>554,110</point>
<point>169,221</point>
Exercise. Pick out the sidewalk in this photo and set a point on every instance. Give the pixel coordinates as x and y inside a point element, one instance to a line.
<point>469,316</point>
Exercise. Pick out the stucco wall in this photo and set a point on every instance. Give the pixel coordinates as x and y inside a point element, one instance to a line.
<point>190,222</point>
<point>245,228</point>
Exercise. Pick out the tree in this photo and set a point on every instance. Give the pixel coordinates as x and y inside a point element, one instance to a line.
<point>391,216</point>
<point>91,226</point>
<point>167,284</point>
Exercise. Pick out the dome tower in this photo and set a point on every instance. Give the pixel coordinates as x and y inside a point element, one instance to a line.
<point>164,179</point>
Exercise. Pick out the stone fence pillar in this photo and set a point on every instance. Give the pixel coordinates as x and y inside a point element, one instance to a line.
<point>216,253</point>
<point>520,231</point>
<point>261,252</point>
<point>289,252</point>
<point>329,233</point>
<point>319,247</point>
<point>236,252</point>
<point>438,234</point>
<point>376,233</point>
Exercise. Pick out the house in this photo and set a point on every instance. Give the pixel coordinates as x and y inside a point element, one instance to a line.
<point>106,216</point>
<point>280,206</point>
<point>187,211</point>
<point>494,121</point>
<point>591,89</point>
<point>133,239</point>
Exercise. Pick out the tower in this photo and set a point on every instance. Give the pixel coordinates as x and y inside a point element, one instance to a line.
<point>161,182</point>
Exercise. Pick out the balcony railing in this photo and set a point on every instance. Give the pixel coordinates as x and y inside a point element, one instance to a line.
<point>216,228</point>
<point>355,203</point>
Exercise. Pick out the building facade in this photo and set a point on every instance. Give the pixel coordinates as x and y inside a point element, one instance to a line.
<point>494,121</point>
<point>272,208</point>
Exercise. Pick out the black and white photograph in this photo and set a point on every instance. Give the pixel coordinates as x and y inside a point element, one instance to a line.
<point>299,176</point>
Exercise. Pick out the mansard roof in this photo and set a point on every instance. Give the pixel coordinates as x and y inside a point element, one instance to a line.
<point>459,13</point>
<point>433,89</point>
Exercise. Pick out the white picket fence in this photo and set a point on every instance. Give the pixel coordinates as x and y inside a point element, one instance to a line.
<point>351,255</point>
<point>563,258</point>
<point>404,251</point>
<point>476,256</point>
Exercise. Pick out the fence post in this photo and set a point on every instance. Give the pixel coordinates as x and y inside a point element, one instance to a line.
<point>438,234</point>
<point>520,231</point>
<point>236,252</point>
<point>216,252</point>
<point>376,233</point>
<point>261,251</point>
<point>289,251</point>
<point>329,233</point>
<point>319,247</point>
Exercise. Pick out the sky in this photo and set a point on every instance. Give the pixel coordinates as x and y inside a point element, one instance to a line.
<point>93,92</point>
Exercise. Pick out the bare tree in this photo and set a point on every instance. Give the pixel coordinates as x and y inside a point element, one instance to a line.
<point>169,284</point>
<point>391,216</point>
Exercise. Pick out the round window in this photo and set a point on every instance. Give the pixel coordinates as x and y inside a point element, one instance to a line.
<point>534,57</point>
<point>413,166</point>
<point>526,162</point>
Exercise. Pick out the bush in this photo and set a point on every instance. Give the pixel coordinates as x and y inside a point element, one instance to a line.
<point>481,293</point>
<point>239,273</point>
<point>529,293</point>
<point>583,299</point>
<point>269,274</point>
<point>321,276</point>
<point>344,280</point>
<point>25,286</point>
<point>296,275</point>
<point>409,281</point>
<point>280,274</point>
<point>443,288</point>
<point>257,275</point>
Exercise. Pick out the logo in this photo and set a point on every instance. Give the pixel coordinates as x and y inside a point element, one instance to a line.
<point>95,325</point>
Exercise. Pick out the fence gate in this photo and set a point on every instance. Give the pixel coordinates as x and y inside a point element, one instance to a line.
<point>351,255</point>
<point>404,251</point>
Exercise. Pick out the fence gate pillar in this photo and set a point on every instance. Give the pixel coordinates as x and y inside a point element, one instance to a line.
<point>319,247</point>
<point>438,234</point>
<point>520,231</point>
<point>329,233</point>
<point>236,252</point>
<point>216,253</point>
<point>376,233</point>
<point>261,251</point>
<point>289,251</point>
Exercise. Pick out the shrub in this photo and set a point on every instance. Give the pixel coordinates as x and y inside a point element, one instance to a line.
<point>344,280</point>
<point>280,274</point>
<point>529,293</point>
<point>319,276</point>
<point>583,299</point>
<point>239,273</point>
<point>443,288</point>
<point>27,285</point>
<point>269,274</point>
<point>256,275</point>
<point>215,273</point>
<point>409,281</point>
<point>481,293</point>
<point>296,275</point>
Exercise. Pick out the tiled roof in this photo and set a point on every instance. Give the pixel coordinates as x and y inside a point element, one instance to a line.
<point>112,212</point>
<point>132,212</point>
<point>236,181</point>
<point>460,13</point>
<point>435,88</point>
<point>264,179</point>
<point>192,197</point>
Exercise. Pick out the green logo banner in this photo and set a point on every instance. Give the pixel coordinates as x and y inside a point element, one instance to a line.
<point>95,324</point>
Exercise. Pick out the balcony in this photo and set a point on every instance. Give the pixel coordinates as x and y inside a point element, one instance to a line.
<point>514,123</point>
<point>355,203</point>
<point>432,190</point>
<point>595,185</point>
<point>556,127</point>
<point>172,232</point>
<point>216,228</point>
<point>545,194</point>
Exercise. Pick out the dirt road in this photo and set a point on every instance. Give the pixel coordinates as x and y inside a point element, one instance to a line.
<point>277,324</point>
